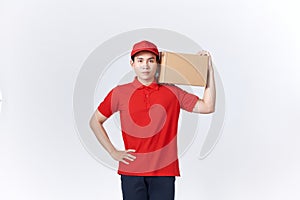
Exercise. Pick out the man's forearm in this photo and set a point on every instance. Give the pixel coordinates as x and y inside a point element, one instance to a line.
<point>209,96</point>
<point>96,124</point>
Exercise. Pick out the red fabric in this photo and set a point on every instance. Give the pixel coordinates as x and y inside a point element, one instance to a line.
<point>149,118</point>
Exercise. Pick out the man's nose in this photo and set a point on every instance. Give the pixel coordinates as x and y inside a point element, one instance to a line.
<point>146,64</point>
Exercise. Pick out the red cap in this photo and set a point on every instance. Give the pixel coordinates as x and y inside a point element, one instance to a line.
<point>144,46</point>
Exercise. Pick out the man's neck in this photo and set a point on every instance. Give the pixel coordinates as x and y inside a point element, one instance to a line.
<point>145,82</point>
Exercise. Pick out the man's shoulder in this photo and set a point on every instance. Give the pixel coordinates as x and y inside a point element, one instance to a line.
<point>124,85</point>
<point>173,88</point>
<point>123,88</point>
<point>169,86</point>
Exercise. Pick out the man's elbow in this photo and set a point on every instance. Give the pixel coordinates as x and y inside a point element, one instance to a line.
<point>209,109</point>
<point>91,122</point>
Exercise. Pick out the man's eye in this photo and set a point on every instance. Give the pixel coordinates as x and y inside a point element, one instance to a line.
<point>140,61</point>
<point>151,61</point>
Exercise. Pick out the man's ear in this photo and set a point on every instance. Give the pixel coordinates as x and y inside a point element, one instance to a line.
<point>131,63</point>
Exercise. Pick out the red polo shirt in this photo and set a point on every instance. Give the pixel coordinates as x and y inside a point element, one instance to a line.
<point>149,120</point>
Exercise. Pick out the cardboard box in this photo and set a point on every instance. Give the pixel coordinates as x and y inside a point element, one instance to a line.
<point>185,69</point>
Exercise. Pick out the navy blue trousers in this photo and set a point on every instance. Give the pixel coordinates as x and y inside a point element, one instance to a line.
<point>148,187</point>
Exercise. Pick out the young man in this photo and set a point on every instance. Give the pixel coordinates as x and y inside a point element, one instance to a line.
<point>149,115</point>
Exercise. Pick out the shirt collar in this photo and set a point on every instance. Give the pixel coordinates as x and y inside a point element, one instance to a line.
<point>138,85</point>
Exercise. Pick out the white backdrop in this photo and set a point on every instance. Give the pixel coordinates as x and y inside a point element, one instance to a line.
<point>255,46</point>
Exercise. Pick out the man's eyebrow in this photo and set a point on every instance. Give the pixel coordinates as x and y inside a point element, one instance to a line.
<point>143,57</point>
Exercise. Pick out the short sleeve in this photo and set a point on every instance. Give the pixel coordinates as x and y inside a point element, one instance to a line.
<point>186,100</point>
<point>109,105</point>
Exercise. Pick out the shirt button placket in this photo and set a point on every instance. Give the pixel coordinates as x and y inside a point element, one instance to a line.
<point>147,94</point>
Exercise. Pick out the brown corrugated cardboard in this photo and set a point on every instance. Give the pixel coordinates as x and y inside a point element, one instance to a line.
<point>185,69</point>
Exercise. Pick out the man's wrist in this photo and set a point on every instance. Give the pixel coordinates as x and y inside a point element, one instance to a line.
<point>112,151</point>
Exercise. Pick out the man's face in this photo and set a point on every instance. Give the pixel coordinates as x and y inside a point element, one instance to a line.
<point>145,66</point>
